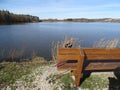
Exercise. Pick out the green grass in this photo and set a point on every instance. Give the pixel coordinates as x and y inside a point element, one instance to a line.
<point>63,81</point>
<point>94,82</point>
<point>12,71</point>
<point>68,82</point>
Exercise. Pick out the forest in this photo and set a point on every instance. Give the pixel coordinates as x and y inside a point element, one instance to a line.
<point>7,17</point>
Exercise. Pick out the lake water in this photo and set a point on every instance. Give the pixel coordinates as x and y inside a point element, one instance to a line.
<point>38,37</point>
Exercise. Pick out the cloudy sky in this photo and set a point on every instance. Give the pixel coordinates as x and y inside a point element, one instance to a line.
<point>64,8</point>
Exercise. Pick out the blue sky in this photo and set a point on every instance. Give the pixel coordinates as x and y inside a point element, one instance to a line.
<point>64,8</point>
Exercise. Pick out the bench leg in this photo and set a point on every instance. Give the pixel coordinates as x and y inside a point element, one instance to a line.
<point>78,76</point>
<point>77,80</point>
<point>79,69</point>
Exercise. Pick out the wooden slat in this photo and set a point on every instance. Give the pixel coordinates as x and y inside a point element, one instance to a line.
<point>67,57</point>
<point>68,66</point>
<point>68,51</point>
<point>103,66</point>
<point>102,57</point>
<point>101,51</point>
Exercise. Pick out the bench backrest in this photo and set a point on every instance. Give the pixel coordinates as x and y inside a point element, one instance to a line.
<point>91,54</point>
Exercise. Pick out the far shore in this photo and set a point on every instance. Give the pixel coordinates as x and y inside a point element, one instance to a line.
<point>112,20</point>
<point>82,20</point>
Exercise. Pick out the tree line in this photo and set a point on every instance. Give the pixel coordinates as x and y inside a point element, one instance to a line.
<point>7,17</point>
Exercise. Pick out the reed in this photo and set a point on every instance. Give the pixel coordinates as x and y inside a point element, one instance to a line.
<point>61,44</point>
<point>102,43</point>
<point>15,54</point>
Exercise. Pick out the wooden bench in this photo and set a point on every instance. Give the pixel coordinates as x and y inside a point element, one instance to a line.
<point>79,60</point>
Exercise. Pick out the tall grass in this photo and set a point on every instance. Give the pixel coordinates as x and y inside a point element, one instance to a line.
<point>15,54</point>
<point>61,44</point>
<point>102,43</point>
<point>11,54</point>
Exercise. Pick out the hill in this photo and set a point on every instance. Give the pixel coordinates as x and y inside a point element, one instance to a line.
<point>114,20</point>
<point>7,17</point>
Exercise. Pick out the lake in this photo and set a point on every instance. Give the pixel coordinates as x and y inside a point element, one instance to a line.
<point>38,37</point>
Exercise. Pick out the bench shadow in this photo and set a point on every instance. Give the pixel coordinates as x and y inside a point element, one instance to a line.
<point>86,75</point>
<point>114,82</point>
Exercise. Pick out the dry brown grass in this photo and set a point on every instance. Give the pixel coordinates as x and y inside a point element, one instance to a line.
<point>61,44</point>
<point>102,43</point>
